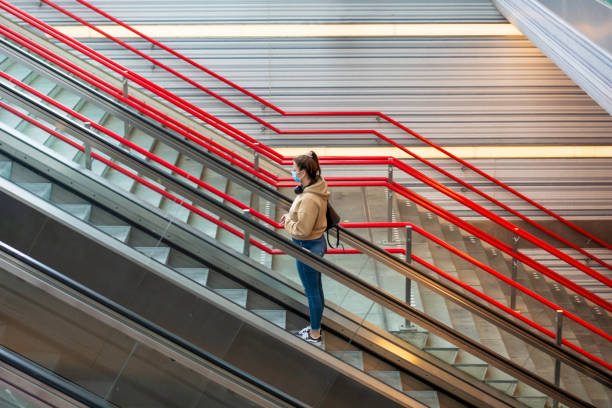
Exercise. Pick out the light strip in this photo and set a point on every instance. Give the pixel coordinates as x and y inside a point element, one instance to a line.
<point>464,152</point>
<point>296,30</point>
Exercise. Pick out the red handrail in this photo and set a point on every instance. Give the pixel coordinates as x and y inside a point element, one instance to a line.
<point>207,118</point>
<point>284,113</point>
<point>501,246</point>
<point>268,151</point>
<point>357,225</point>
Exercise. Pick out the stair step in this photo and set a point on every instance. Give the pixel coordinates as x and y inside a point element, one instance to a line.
<point>92,112</point>
<point>18,71</point>
<point>391,378</point>
<point>67,98</point>
<point>417,338</point>
<point>478,371</point>
<point>9,119</point>
<point>118,179</point>
<point>120,232</point>
<point>148,195</point>
<point>42,84</point>
<point>505,386</point>
<point>5,169</point>
<point>471,365</point>
<point>278,317</point>
<point>352,357</point>
<point>160,254</point>
<point>35,133</point>
<point>534,402</point>
<point>199,275</point>
<point>81,211</point>
<point>447,355</point>
<point>426,397</point>
<point>43,190</point>
<point>238,296</point>
<point>442,349</point>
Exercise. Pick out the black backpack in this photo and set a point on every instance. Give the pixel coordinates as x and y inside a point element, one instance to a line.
<point>333,219</point>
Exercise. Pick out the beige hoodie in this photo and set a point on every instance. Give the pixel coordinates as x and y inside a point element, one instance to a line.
<point>306,218</point>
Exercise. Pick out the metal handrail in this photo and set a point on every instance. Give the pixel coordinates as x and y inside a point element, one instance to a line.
<point>237,218</point>
<point>56,382</point>
<point>150,326</point>
<point>507,249</point>
<point>376,114</point>
<point>209,119</point>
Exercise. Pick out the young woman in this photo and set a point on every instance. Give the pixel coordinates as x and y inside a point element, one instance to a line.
<point>306,223</point>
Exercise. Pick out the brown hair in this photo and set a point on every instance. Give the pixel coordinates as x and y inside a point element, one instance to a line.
<point>310,163</point>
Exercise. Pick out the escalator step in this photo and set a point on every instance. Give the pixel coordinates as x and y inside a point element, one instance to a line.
<point>426,397</point>
<point>9,119</point>
<point>507,387</point>
<point>5,169</point>
<point>35,133</point>
<point>352,357</point>
<point>478,371</point>
<point>391,378</point>
<point>119,232</point>
<point>278,317</point>
<point>42,84</point>
<point>417,338</point>
<point>238,296</point>
<point>81,211</point>
<point>160,254</point>
<point>18,71</point>
<point>199,275</point>
<point>43,190</point>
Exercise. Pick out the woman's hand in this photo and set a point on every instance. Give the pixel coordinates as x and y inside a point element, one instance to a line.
<point>282,219</point>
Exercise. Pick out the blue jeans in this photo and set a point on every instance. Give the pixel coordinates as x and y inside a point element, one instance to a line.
<point>311,280</point>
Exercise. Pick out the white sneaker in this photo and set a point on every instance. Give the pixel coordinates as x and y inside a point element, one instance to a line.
<point>304,330</point>
<point>305,335</point>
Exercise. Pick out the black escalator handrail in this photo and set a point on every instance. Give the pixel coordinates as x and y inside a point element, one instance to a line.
<point>147,324</point>
<point>54,381</point>
<point>342,276</point>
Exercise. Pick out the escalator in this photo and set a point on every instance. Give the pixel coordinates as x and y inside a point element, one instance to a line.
<point>145,242</point>
<point>65,345</point>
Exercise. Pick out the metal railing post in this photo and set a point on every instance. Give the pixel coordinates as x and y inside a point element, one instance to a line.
<point>558,340</point>
<point>256,158</point>
<point>255,197</point>
<point>127,127</point>
<point>88,159</point>
<point>390,200</point>
<point>408,280</point>
<point>409,243</point>
<point>515,239</point>
<point>246,246</point>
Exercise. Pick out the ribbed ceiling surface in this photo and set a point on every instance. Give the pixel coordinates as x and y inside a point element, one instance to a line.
<point>282,11</point>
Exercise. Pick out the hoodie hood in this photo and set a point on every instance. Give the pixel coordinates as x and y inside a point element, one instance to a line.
<point>319,188</point>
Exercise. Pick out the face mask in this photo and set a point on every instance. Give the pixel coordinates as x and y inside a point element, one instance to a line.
<point>295,177</point>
